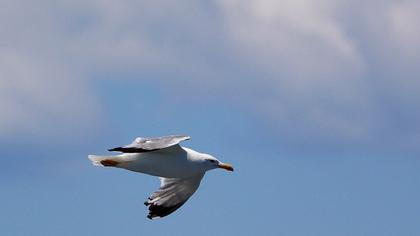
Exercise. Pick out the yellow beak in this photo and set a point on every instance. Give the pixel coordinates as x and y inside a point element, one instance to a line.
<point>226,166</point>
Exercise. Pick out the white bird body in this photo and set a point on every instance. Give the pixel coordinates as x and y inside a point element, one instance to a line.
<point>180,169</point>
<point>183,162</point>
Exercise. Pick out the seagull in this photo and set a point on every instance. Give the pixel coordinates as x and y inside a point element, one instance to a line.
<point>180,169</point>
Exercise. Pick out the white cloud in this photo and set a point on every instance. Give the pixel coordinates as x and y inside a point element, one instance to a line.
<point>403,21</point>
<point>317,71</point>
<point>38,96</point>
<point>339,71</point>
<point>321,70</point>
<point>300,36</point>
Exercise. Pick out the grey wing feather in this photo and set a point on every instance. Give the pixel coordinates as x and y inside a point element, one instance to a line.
<point>172,194</point>
<point>151,144</point>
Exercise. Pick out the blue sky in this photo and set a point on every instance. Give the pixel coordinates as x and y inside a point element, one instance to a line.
<point>315,103</point>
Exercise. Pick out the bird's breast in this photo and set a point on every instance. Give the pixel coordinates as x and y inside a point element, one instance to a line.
<point>161,164</point>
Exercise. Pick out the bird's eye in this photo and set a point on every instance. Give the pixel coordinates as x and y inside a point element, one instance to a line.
<point>212,161</point>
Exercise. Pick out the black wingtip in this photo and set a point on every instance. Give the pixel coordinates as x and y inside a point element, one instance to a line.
<point>159,211</point>
<point>130,150</point>
<point>117,149</point>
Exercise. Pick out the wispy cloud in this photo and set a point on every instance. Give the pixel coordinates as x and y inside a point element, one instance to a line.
<point>321,72</point>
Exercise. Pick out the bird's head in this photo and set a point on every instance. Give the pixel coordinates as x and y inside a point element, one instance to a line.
<point>211,162</point>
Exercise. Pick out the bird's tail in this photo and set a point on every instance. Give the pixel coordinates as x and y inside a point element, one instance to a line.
<point>104,160</point>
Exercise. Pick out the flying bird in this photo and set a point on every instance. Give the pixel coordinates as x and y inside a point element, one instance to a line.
<point>180,169</point>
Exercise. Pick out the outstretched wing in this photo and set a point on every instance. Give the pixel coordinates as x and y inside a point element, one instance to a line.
<point>172,194</point>
<point>151,144</point>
